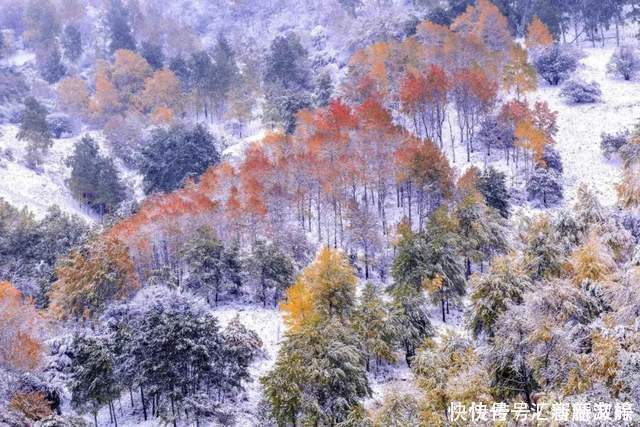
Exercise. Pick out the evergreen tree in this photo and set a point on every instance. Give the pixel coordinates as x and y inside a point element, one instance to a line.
<point>93,383</point>
<point>204,258</point>
<point>153,54</point>
<point>94,178</point>
<point>544,186</point>
<point>271,269</point>
<point>493,292</point>
<point>319,376</point>
<point>117,21</point>
<point>176,154</point>
<point>410,319</point>
<point>431,259</point>
<point>542,254</point>
<point>371,323</point>
<point>224,73</point>
<point>72,42</point>
<point>181,69</point>
<point>492,185</point>
<point>287,81</point>
<point>481,231</point>
<point>241,347</point>
<point>35,130</point>
<point>50,64</point>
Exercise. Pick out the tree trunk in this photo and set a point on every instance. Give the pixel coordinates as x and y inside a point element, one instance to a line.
<point>144,405</point>
<point>444,316</point>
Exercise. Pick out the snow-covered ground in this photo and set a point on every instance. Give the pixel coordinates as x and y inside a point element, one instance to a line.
<point>38,190</point>
<point>580,126</point>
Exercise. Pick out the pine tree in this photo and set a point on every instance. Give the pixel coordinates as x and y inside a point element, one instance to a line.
<point>371,323</point>
<point>493,292</point>
<point>544,186</point>
<point>117,21</point>
<point>153,54</point>
<point>319,376</point>
<point>492,185</point>
<point>93,381</point>
<point>72,42</point>
<point>271,269</point>
<point>409,320</point>
<point>49,63</point>
<point>224,73</point>
<point>176,154</point>
<point>204,258</point>
<point>94,178</point>
<point>287,81</point>
<point>542,255</point>
<point>35,130</point>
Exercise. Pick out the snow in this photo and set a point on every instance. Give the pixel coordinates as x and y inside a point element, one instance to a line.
<point>38,190</point>
<point>580,126</point>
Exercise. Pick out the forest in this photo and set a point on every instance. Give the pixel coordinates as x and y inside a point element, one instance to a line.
<point>349,213</point>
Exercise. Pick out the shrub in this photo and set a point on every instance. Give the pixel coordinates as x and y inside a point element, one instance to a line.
<point>611,143</point>
<point>555,65</point>
<point>32,405</point>
<point>552,158</point>
<point>60,125</point>
<point>624,63</point>
<point>581,92</point>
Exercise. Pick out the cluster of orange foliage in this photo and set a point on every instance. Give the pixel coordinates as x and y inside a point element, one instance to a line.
<point>20,330</point>
<point>354,152</point>
<point>128,83</point>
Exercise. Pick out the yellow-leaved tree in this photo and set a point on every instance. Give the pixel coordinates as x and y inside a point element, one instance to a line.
<point>325,289</point>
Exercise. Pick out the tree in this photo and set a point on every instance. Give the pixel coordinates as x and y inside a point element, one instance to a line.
<point>518,74</point>
<point>325,289</point>
<point>492,185</point>
<point>482,234</point>
<point>544,186</point>
<point>538,35</point>
<point>371,322</point>
<point>624,62</point>
<point>72,42</point>
<point>287,81</point>
<point>409,319</point>
<point>203,255</point>
<point>21,346</point>
<point>554,65</point>
<point>449,371</point>
<point>271,269</point>
<point>153,54</point>
<point>173,155</point>
<point>542,255</point>
<point>319,376</point>
<point>431,259</point>
<point>117,21</point>
<point>91,277</point>
<point>161,90</point>
<point>35,130</point>
<point>49,63</point>
<point>94,178</point>
<point>93,381</point>
<point>224,74</point>
<point>41,22</point>
<point>493,292</point>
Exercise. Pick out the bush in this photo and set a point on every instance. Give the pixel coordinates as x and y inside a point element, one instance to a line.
<point>611,143</point>
<point>624,63</point>
<point>581,92</point>
<point>33,405</point>
<point>555,65</point>
<point>544,186</point>
<point>60,125</point>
